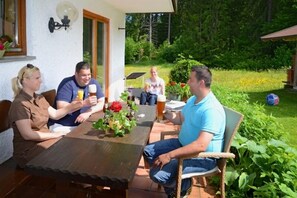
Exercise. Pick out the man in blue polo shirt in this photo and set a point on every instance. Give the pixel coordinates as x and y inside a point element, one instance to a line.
<point>202,123</point>
<point>67,92</point>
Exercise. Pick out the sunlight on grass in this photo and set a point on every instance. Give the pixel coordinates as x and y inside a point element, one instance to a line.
<point>249,81</point>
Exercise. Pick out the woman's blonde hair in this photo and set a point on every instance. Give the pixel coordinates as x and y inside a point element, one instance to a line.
<point>25,72</point>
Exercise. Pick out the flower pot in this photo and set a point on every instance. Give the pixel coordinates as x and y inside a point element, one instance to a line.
<point>2,53</point>
<point>184,98</point>
<point>172,96</point>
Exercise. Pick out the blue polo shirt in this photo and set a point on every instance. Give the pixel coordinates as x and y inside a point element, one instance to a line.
<point>67,91</point>
<point>208,115</point>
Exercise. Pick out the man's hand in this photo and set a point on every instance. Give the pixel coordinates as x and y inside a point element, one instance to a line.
<point>162,160</point>
<point>91,101</point>
<point>82,117</point>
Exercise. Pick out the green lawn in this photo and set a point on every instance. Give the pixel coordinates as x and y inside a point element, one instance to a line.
<point>256,84</point>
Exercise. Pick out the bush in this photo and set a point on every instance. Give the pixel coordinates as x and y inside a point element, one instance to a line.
<point>130,50</point>
<point>139,51</point>
<point>181,69</point>
<point>265,166</point>
<point>282,57</point>
<point>167,52</point>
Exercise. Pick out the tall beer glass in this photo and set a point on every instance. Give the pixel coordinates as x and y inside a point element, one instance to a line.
<point>160,107</point>
<point>92,90</point>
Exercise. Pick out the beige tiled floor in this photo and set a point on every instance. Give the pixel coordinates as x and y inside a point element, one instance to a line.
<point>142,186</point>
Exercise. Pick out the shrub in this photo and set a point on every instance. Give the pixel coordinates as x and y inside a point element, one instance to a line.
<point>181,69</point>
<point>265,166</point>
<point>130,50</point>
<point>282,57</point>
<point>167,52</point>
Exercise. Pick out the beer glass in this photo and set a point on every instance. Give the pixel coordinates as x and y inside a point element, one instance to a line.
<point>80,94</point>
<point>160,107</point>
<point>92,90</point>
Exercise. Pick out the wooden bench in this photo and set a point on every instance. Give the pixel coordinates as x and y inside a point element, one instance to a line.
<point>11,177</point>
<point>50,96</point>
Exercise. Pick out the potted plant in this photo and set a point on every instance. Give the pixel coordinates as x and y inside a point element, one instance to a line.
<point>177,91</point>
<point>173,91</point>
<point>5,43</point>
<point>119,117</point>
<point>185,92</point>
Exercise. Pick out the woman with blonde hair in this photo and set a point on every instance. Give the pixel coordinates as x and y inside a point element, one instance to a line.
<point>154,86</point>
<point>29,115</point>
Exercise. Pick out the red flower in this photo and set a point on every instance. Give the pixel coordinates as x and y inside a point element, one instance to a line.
<point>116,106</point>
<point>1,46</point>
<point>172,83</point>
<point>182,85</point>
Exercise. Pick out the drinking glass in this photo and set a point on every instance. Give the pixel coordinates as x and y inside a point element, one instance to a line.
<point>92,90</point>
<point>161,100</point>
<point>80,94</point>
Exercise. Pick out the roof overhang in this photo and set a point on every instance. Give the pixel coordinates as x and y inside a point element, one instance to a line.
<point>287,34</point>
<point>143,6</point>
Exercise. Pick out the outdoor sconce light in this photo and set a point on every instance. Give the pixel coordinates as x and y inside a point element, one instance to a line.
<point>67,13</point>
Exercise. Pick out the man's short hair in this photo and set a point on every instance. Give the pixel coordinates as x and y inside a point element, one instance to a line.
<point>82,65</point>
<point>203,73</point>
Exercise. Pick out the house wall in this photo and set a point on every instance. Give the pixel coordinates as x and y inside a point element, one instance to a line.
<point>56,54</point>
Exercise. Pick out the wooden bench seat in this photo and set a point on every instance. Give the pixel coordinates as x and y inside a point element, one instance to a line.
<point>11,176</point>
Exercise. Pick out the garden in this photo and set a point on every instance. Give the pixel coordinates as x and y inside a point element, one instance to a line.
<point>266,155</point>
<point>245,70</point>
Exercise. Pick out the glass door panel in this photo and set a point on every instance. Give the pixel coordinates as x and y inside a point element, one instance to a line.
<point>95,49</point>
<point>100,54</point>
<point>87,40</point>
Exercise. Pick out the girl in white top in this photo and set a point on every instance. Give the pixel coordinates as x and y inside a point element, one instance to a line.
<point>154,86</point>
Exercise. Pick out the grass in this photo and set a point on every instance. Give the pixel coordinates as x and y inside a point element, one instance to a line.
<point>256,84</point>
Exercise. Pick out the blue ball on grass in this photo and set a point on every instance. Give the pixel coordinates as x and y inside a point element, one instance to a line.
<point>272,99</point>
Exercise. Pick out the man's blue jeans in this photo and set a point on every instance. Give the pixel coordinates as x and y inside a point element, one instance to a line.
<point>148,97</point>
<point>167,176</point>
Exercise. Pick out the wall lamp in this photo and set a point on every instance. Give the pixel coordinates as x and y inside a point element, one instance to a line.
<point>67,13</point>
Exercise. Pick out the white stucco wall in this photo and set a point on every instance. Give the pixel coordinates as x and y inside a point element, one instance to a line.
<point>56,54</point>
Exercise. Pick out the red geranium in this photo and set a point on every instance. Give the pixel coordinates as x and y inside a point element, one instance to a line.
<point>115,106</point>
<point>172,83</point>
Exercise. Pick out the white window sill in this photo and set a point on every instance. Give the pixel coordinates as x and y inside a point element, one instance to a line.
<point>6,59</point>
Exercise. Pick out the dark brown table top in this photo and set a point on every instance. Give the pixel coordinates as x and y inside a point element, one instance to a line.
<point>84,156</point>
<point>139,135</point>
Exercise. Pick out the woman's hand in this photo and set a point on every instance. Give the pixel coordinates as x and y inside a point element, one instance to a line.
<point>147,87</point>
<point>76,104</point>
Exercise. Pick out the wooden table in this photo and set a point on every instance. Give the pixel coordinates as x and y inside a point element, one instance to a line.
<point>86,155</point>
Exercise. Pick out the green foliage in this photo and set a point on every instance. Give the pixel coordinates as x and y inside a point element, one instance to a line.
<point>130,50</point>
<point>220,34</point>
<point>167,52</point>
<point>87,57</point>
<point>145,49</point>
<point>265,166</point>
<point>178,90</point>
<point>282,57</point>
<point>182,68</point>
<point>139,51</point>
